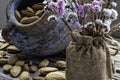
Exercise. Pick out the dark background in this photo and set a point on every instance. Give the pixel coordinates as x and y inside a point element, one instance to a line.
<point>3,4</point>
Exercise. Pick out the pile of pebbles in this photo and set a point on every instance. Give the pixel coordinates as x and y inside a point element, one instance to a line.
<point>30,14</point>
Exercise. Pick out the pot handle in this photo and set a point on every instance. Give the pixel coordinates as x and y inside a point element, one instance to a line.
<point>6,30</point>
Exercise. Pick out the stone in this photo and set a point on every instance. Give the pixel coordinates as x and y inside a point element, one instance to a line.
<point>27,13</point>
<point>46,70</point>
<point>55,76</point>
<point>4,46</point>
<point>20,63</point>
<point>33,68</point>
<point>61,64</point>
<point>7,68</point>
<point>18,15</point>
<point>13,59</point>
<point>26,20</point>
<point>15,71</point>
<point>24,76</point>
<point>38,78</point>
<point>44,63</point>
<point>26,67</point>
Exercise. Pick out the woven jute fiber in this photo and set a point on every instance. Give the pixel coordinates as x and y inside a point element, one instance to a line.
<point>88,58</point>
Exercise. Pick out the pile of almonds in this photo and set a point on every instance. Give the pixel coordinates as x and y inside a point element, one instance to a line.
<point>22,67</point>
<point>30,14</point>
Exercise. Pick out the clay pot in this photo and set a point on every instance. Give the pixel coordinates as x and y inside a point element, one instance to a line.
<point>39,38</point>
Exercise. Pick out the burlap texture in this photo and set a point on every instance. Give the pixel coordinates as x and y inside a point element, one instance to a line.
<point>88,58</point>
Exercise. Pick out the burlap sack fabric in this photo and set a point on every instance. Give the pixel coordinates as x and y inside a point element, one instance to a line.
<point>88,58</point>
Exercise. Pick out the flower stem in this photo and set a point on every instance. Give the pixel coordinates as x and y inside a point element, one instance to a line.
<point>63,19</point>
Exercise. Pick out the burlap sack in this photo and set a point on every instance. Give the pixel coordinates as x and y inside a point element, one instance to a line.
<point>88,58</point>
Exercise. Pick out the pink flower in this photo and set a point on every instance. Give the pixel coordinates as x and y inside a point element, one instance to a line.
<point>61,4</point>
<point>95,2</point>
<point>78,26</point>
<point>58,6</point>
<point>52,5</point>
<point>61,7</point>
<point>98,2</point>
<point>96,8</point>
<point>97,5</point>
<point>80,11</point>
<point>60,12</point>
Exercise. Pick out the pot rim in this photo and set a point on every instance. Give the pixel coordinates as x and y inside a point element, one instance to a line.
<point>10,12</point>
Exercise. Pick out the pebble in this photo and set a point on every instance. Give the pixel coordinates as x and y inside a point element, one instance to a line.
<point>44,63</point>
<point>15,71</point>
<point>7,68</point>
<point>20,63</point>
<point>24,76</point>
<point>55,76</point>
<point>61,64</point>
<point>46,70</point>
<point>13,60</point>
<point>38,78</point>
<point>33,68</point>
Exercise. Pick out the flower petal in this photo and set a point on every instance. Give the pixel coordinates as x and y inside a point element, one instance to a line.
<point>78,26</point>
<point>52,17</point>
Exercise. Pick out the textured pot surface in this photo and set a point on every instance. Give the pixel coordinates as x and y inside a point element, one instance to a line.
<point>41,37</point>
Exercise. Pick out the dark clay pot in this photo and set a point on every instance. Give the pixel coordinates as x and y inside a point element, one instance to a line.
<point>39,38</point>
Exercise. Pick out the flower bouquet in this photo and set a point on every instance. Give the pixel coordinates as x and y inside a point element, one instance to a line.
<point>88,56</point>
